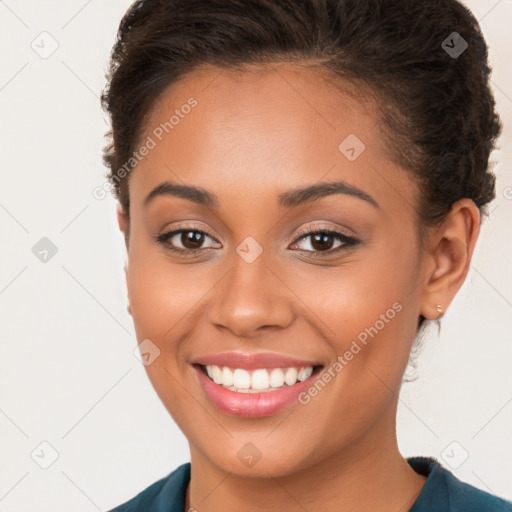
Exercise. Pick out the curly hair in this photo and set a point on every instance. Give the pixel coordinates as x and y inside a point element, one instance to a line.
<point>437,108</point>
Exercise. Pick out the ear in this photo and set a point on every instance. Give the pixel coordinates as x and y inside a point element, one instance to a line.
<point>121,218</point>
<point>450,247</point>
<point>122,221</point>
<point>123,226</point>
<point>129,309</point>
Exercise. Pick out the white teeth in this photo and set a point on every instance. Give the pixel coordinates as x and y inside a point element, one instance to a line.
<point>216,374</point>
<point>276,378</point>
<point>305,373</point>
<point>241,379</point>
<point>290,377</point>
<point>260,379</point>
<point>244,381</point>
<point>227,377</point>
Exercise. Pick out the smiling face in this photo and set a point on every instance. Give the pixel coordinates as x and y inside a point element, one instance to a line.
<point>347,301</point>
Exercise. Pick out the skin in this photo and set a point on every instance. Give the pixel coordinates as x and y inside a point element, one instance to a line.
<point>252,136</point>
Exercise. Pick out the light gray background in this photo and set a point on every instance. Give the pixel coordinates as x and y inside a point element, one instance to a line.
<point>68,374</point>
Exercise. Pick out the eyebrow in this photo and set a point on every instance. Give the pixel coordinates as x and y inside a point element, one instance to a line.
<point>289,199</point>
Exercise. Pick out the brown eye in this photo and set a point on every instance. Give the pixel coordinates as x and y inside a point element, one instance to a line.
<point>323,241</point>
<point>190,239</point>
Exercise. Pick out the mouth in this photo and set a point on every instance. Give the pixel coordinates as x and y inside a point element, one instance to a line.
<point>259,380</point>
<point>254,392</point>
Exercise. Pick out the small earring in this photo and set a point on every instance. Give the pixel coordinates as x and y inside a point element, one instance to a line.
<point>439,308</point>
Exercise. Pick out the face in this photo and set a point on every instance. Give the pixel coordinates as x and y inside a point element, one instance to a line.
<point>250,274</point>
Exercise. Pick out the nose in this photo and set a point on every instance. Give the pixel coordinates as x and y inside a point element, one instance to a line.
<point>251,298</point>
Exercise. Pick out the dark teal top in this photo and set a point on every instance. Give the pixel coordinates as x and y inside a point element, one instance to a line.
<point>442,492</point>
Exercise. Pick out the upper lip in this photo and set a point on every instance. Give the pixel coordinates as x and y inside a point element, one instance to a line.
<point>253,361</point>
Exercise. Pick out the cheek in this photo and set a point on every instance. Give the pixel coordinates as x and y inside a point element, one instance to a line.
<point>368,312</point>
<point>161,293</point>
<point>162,296</point>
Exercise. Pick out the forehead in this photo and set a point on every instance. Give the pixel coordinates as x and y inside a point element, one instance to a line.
<point>294,102</point>
<point>280,124</point>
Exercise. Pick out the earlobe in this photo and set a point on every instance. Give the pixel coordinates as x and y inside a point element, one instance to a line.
<point>451,247</point>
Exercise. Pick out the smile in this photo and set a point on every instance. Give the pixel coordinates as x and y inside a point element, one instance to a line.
<point>259,380</point>
<point>263,387</point>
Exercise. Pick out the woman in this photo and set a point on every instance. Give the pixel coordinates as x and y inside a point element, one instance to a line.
<point>301,185</point>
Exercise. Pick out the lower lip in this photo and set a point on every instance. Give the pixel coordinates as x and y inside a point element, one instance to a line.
<point>252,405</point>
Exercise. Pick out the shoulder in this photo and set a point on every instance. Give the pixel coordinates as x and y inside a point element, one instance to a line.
<point>445,492</point>
<point>467,498</point>
<point>166,494</point>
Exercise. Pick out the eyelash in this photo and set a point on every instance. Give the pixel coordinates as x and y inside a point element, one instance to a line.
<point>346,240</point>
